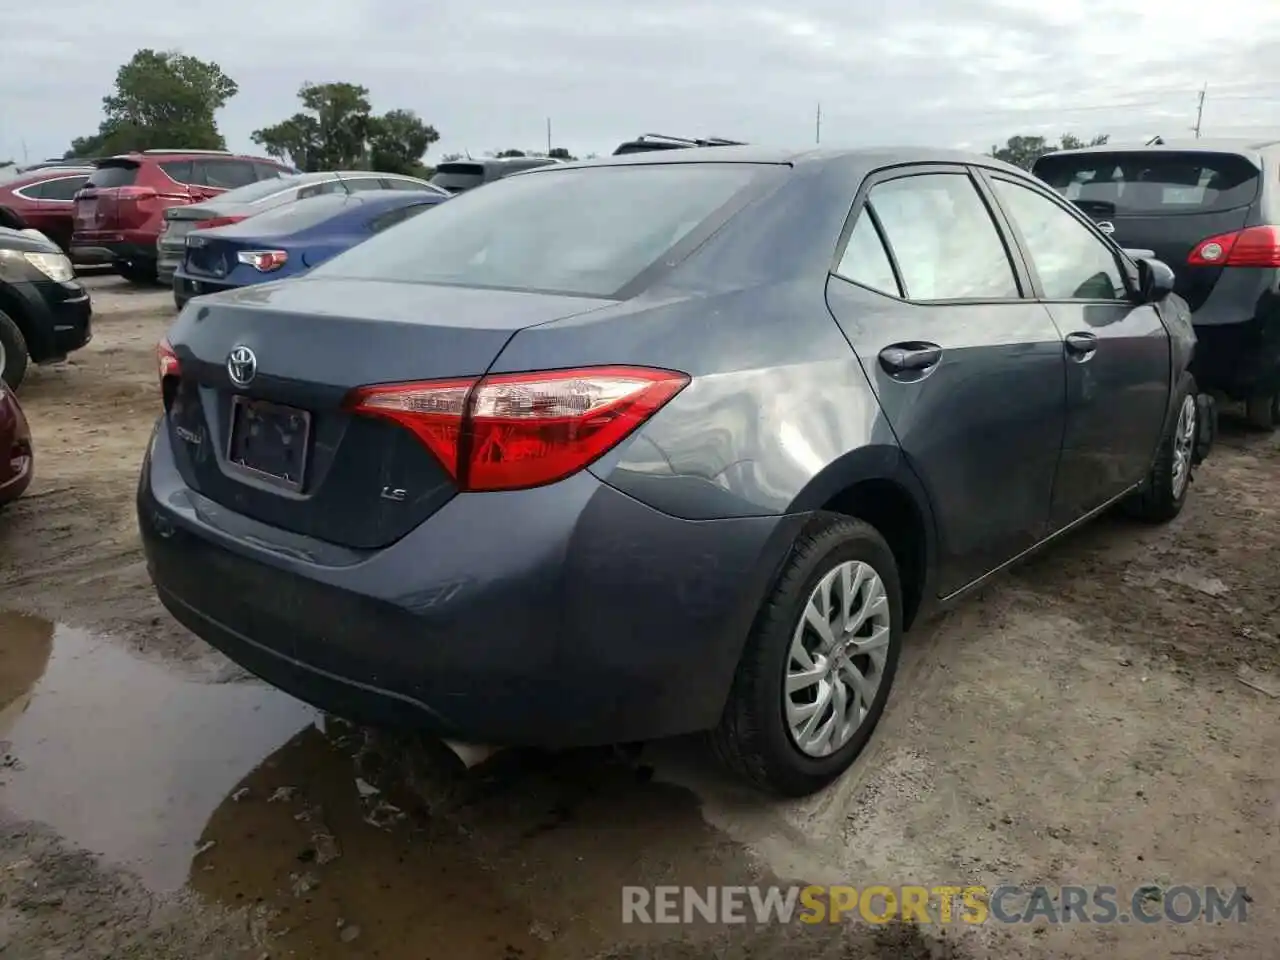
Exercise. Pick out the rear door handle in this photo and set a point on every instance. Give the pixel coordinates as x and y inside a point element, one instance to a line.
<point>1081,346</point>
<point>910,357</point>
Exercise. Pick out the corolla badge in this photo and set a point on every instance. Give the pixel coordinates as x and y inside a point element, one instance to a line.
<point>242,365</point>
<point>1107,227</point>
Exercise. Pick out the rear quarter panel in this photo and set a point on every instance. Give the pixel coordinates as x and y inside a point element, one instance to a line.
<point>779,413</point>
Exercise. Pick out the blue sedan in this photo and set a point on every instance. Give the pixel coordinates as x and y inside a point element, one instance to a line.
<point>290,240</point>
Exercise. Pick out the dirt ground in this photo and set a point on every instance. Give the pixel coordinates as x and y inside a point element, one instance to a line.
<point>1105,714</point>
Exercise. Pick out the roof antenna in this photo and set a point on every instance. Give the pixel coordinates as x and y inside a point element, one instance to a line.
<point>1156,141</point>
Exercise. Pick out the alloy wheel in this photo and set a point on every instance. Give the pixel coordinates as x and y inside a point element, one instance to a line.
<point>1184,441</point>
<point>836,660</point>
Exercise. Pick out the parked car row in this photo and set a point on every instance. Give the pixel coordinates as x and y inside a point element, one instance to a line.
<point>680,440</point>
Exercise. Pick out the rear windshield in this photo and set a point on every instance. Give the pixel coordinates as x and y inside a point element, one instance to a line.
<point>294,216</point>
<point>116,173</point>
<point>1152,183</point>
<point>585,230</point>
<point>458,176</point>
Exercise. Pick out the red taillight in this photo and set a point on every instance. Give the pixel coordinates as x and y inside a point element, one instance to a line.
<point>216,222</point>
<point>167,361</point>
<point>264,261</point>
<point>1251,247</point>
<point>518,430</point>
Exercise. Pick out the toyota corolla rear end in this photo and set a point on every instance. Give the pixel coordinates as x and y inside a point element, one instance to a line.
<point>342,497</point>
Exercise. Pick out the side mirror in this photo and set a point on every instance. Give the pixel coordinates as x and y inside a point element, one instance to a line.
<point>1155,279</point>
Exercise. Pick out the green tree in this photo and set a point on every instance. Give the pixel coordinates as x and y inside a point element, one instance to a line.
<point>509,152</point>
<point>160,99</point>
<point>398,141</point>
<point>338,131</point>
<point>560,153</point>
<point>1024,151</point>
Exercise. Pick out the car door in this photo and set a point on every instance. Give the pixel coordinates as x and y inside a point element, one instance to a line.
<point>968,369</point>
<point>1117,348</point>
<point>54,208</point>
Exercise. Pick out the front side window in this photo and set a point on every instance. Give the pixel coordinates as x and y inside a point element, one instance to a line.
<point>1073,263</point>
<point>946,245</point>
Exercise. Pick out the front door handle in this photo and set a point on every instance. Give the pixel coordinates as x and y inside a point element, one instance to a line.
<point>910,357</point>
<point>1081,346</point>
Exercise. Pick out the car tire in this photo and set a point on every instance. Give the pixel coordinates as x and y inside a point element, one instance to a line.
<point>756,736</point>
<point>14,357</point>
<point>1165,492</point>
<point>1262,412</point>
<point>141,274</point>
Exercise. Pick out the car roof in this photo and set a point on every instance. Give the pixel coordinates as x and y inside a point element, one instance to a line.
<point>868,157</point>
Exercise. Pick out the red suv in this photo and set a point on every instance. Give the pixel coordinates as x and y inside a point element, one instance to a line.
<point>42,199</point>
<point>119,212</point>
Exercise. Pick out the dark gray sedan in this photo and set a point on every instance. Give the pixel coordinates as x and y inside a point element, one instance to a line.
<point>671,442</point>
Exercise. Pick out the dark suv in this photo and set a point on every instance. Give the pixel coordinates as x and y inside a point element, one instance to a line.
<point>1210,209</point>
<point>119,212</point>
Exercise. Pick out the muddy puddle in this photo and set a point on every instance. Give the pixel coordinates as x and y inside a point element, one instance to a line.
<point>339,842</point>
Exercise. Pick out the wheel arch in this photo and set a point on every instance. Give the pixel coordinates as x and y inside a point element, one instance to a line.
<point>875,485</point>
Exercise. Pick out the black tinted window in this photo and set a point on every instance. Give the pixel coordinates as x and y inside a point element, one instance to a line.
<point>456,177</point>
<point>589,230</point>
<point>117,174</point>
<point>943,238</point>
<point>64,188</point>
<point>225,174</point>
<point>1110,184</point>
<point>1072,262</point>
<point>865,260</point>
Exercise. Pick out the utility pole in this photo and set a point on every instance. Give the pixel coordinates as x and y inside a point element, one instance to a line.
<point>1200,109</point>
<point>817,126</point>
<point>548,136</point>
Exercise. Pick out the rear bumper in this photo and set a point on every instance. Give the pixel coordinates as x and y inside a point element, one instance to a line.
<point>169,256</point>
<point>57,317</point>
<point>186,287</point>
<point>1239,359</point>
<point>562,616</point>
<point>107,247</point>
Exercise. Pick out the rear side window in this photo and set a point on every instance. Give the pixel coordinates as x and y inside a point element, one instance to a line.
<point>588,231</point>
<point>865,259</point>
<point>256,191</point>
<point>63,188</point>
<point>399,183</point>
<point>120,173</point>
<point>226,174</point>
<point>269,171</point>
<point>178,171</point>
<point>1164,182</point>
<point>943,238</point>
<point>356,184</point>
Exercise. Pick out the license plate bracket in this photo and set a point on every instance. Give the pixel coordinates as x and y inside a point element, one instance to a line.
<point>269,442</point>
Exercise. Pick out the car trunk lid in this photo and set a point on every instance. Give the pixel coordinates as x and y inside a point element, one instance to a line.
<point>1164,201</point>
<point>282,448</point>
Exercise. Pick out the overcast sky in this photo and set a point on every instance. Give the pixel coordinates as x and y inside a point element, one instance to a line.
<point>488,73</point>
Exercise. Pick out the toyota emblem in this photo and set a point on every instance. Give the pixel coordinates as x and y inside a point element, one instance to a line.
<point>242,365</point>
